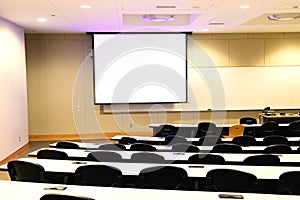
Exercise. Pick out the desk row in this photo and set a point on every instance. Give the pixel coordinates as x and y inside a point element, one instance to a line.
<point>161,176</point>
<point>181,147</point>
<point>34,191</point>
<point>202,128</point>
<point>244,140</point>
<point>168,157</point>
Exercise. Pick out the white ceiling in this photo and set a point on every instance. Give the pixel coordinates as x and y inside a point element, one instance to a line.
<point>125,15</point>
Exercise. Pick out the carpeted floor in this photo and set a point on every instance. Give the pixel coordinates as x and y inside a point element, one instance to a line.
<point>33,146</point>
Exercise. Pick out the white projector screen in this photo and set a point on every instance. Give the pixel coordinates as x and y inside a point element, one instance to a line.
<point>140,68</point>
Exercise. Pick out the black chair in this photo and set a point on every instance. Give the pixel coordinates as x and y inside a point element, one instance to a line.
<point>63,197</point>
<point>127,140</point>
<point>26,171</point>
<point>264,159</point>
<point>104,156</point>
<point>142,147</point>
<point>52,154</point>
<point>165,130</point>
<point>183,147</point>
<point>167,177</point>
<point>67,145</point>
<point>294,129</point>
<point>98,175</point>
<point>173,139</point>
<point>268,128</point>
<point>208,140</point>
<point>57,155</point>
<point>289,183</point>
<point>112,147</point>
<point>244,140</point>
<point>248,120</point>
<point>278,148</point>
<point>275,139</point>
<point>227,148</point>
<point>206,159</point>
<point>206,128</point>
<point>229,180</point>
<point>146,157</point>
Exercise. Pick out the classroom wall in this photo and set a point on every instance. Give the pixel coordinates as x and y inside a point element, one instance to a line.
<point>60,86</point>
<point>13,93</point>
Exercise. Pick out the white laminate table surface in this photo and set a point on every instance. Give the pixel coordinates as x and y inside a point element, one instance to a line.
<point>133,169</point>
<point>172,156</point>
<point>15,190</point>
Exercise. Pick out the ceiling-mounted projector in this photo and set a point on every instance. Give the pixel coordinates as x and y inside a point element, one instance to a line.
<point>158,18</point>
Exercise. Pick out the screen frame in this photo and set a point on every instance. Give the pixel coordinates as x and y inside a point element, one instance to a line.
<point>132,33</point>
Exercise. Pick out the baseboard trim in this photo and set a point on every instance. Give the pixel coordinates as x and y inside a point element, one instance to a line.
<point>16,154</point>
<point>75,136</point>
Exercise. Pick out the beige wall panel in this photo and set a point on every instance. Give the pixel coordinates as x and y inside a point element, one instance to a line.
<point>248,52</point>
<point>265,35</point>
<point>234,116</point>
<point>174,118</point>
<point>217,50</point>
<point>37,87</point>
<point>110,123</point>
<point>63,59</point>
<point>223,36</point>
<point>282,52</point>
<point>137,123</point>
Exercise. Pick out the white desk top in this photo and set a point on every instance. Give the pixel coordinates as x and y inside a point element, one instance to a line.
<point>25,190</point>
<point>169,147</point>
<point>218,125</point>
<point>81,153</point>
<point>162,139</point>
<point>193,170</point>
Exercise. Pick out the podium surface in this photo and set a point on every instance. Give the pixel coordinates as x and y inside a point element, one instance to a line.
<point>278,117</point>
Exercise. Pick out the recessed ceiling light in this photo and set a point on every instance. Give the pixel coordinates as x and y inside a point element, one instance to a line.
<point>158,18</point>
<point>284,16</point>
<point>245,6</point>
<point>204,29</point>
<point>85,6</point>
<point>41,19</point>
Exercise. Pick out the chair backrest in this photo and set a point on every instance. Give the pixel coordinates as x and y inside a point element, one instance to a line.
<point>264,159</point>
<point>278,148</point>
<point>142,147</point>
<point>244,140</point>
<point>183,147</point>
<point>248,120</point>
<point>205,128</point>
<point>236,130</point>
<point>63,197</point>
<point>289,183</point>
<point>268,128</point>
<point>206,159</point>
<point>165,130</point>
<point>208,140</point>
<point>227,148</point>
<point>25,171</point>
<point>104,156</point>
<point>173,139</point>
<point>167,177</point>
<point>67,145</point>
<point>98,175</point>
<point>113,147</point>
<point>146,157</point>
<point>127,140</point>
<point>52,154</point>
<point>229,180</point>
<point>294,128</point>
<point>275,139</point>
